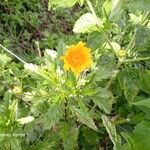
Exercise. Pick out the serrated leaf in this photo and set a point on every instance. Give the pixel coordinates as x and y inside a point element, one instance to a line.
<point>141,135</point>
<point>130,83</point>
<point>104,100</point>
<point>68,129</point>
<point>86,23</point>
<point>96,39</point>
<point>111,129</point>
<point>52,117</point>
<point>84,116</point>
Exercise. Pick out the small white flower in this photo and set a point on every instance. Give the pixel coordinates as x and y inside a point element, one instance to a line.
<point>81,82</point>
<point>28,96</point>
<point>25,120</point>
<point>31,67</point>
<point>51,53</point>
<point>59,71</point>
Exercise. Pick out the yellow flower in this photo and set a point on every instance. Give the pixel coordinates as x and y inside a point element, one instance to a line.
<point>121,54</point>
<point>77,58</point>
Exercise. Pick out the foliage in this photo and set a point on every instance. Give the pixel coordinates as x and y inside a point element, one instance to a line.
<point>107,106</point>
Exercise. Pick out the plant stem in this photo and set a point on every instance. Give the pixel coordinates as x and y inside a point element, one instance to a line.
<point>13,54</point>
<point>38,48</point>
<point>91,8</point>
<point>93,11</point>
<point>136,59</point>
<point>65,110</point>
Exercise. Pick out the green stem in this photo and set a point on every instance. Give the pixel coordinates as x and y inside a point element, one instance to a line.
<point>91,8</point>
<point>93,11</point>
<point>136,59</point>
<point>13,54</point>
<point>65,110</point>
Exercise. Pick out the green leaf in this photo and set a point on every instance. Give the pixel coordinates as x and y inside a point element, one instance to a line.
<point>130,83</point>
<point>95,39</point>
<point>68,130</point>
<point>84,116</point>
<point>141,135</point>
<point>81,2</point>
<point>104,100</point>
<point>144,105</point>
<point>112,9</point>
<point>135,19</point>
<point>139,138</point>
<point>10,142</point>
<point>15,144</point>
<point>14,110</point>
<point>4,58</point>
<point>130,143</point>
<point>86,23</point>
<point>105,71</point>
<point>116,11</point>
<point>142,44</point>
<point>145,86</point>
<point>63,3</point>
<point>106,8</point>
<point>52,117</point>
<point>106,66</point>
<point>111,129</point>
<point>45,144</point>
<point>90,135</point>
<point>138,4</point>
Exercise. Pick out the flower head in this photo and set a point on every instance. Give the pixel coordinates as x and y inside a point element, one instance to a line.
<point>77,58</point>
<point>51,53</point>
